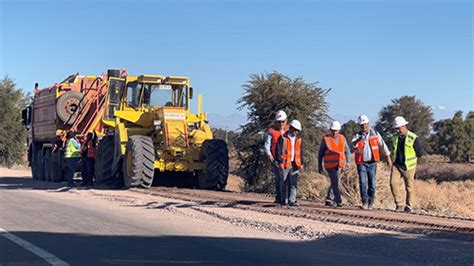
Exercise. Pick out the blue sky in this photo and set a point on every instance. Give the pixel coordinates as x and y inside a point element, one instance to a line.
<point>368,52</point>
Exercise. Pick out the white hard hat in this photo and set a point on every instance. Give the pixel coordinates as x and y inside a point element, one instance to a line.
<point>280,116</point>
<point>363,119</point>
<point>295,124</point>
<point>335,125</point>
<point>399,122</point>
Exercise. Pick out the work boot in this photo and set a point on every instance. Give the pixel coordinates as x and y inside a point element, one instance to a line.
<point>339,205</point>
<point>364,206</point>
<point>408,209</point>
<point>329,203</point>
<point>294,204</point>
<point>371,206</point>
<point>399,208</point>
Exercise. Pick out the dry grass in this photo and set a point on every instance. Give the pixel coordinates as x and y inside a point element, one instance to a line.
<point>235,183</point>
<point>436,192</point>
<point>314,186</point>
<point>454,198</point>
<point>444,171</point>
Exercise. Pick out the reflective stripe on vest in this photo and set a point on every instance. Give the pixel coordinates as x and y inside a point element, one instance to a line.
<point>374,146</point>
<point>71,151</point>
<point>410,154</point>
<point>334,155</point>
<point>275,134</point>
<point>286,152</point>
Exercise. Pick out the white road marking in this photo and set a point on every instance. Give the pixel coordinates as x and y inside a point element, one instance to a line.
<point>48,257</point>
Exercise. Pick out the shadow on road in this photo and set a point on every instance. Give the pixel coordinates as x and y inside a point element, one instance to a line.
<point>378,249</point>
<point>28,183</point>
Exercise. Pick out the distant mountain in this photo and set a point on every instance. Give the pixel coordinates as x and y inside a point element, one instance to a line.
<point>229,122</point>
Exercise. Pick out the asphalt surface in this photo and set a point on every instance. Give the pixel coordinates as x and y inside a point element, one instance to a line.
<point>77,230</point>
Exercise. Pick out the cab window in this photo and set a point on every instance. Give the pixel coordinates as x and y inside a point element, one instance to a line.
<point>133,94</point>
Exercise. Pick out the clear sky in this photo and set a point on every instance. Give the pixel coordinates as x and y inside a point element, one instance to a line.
<point>368,52</point>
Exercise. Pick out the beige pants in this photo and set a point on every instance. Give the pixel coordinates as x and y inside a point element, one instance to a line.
<point>395,184</point>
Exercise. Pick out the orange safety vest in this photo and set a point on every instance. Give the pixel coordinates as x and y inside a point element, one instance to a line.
<point>286,152</point>
<point>90,149</point>
<point>334,155</point>
<point>374,146</point>
<point>275,133</point>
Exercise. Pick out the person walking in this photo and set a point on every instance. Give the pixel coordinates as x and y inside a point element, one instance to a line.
<point>289,158</point>
<point>335,153</point>
<point>407,148</point>
<point>88,159</point>
<point>271,138</point>
<point>72,156</point>
<point>367,144</point>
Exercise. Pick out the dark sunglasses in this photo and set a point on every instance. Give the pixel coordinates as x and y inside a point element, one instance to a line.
<point>281,122</point>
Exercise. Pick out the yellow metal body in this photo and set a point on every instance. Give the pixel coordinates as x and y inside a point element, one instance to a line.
<point>177,133</point>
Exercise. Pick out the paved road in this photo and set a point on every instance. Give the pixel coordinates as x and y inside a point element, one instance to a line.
<point>74,229</point>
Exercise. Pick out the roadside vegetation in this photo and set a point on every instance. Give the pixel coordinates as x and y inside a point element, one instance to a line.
<point>446,198</point>
<point>263,95</point>
<point>12,132</point>
<point>443,187</point>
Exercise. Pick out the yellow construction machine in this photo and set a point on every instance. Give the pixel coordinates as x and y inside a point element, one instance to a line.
<point>149,131</point>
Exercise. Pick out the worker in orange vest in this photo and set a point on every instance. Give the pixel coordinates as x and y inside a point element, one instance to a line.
<point>271,138</point>
<point>289,157</point>
<point>335,153</point>
<point>88,159</point>
<point>367,144</point>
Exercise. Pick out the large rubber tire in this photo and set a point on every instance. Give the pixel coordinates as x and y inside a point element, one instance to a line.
<point>47,165</point>
<point>69,106</point>
<point>103,162</point>
<point>139,160</point>
<point>56,166</point>
<point>215,153</point>
<point>39,165</point>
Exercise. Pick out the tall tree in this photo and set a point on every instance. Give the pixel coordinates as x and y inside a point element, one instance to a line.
<point>419,116</point>
<point>469,125</point>
<point>441,138</point>
<point>458,148</point>
<point>12,132</point>
<point>264,94</point>
<point>349,129</point>
<point>454,137</point>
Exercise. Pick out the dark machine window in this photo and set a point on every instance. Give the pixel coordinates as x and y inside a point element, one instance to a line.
<point>133,94</point>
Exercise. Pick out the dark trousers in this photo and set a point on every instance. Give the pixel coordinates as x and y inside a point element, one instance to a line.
<point>367,181</point>
<point>334,195</point>
<point>88,170</point>
<point>72,167</point>
<point>277,175</point>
